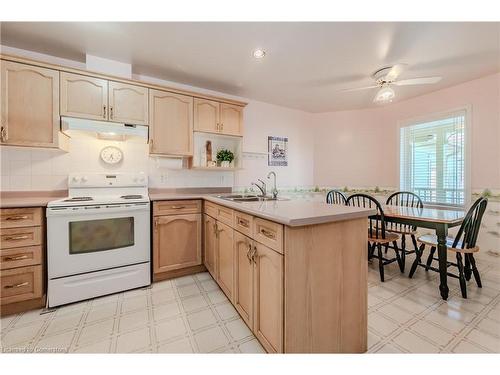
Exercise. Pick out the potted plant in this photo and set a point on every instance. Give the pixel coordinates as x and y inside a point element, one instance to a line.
<point>225,157</point>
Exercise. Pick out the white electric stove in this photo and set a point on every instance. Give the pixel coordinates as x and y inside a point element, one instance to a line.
<point>98,238</point>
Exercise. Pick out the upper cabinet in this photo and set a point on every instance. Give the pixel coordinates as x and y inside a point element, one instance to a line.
<point>99,99</point>
<point>84,97</point>
<point>171,123</point>
<point>128,103</point>
<point>29,105</point>
<point>213,117</point>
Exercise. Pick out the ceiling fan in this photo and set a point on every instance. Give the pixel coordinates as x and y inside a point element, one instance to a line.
<point>387,77</point>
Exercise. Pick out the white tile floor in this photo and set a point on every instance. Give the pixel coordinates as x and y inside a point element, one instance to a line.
<point>191,314</point>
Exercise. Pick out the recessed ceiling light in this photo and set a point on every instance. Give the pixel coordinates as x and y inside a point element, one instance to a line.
<point>259,53</point>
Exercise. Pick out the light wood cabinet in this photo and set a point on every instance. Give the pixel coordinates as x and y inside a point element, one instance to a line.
<point>268,298</point>
<point>225,258</point>
<point>243,276</point>
<point>210,244</point>
<point>214,117</point>
<point>171,125</point>
<point>231,119</point>
<point>176,242</point>
<point>29,105</point>
<point>128,103</point>
<point>84,97</point>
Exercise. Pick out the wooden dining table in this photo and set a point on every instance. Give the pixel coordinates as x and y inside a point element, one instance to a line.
<point>440,220</point>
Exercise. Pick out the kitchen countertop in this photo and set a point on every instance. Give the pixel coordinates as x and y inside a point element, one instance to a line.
<point>18,199</point>
<point>288,212</point>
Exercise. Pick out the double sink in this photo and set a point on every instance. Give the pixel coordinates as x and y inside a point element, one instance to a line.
<point>248,198</point>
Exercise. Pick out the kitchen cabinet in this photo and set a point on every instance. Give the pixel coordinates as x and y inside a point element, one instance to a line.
<point>99,99</point>
<point>210,245</point>
<point>268,298</point>
<point>84,96</point>
<point>177,238</point>
<point>171,123</point>
<point>243,276</point>
<point>128,103</point>
<point>215,117</point>
<point>29,106</point>
<point>225,258</point>
<point>176,242</point>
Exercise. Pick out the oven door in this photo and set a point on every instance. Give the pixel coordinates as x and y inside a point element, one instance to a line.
<point>91,238</point>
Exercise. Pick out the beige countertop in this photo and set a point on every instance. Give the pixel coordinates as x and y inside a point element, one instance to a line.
<point>288,212</point>
<point>18,199</point>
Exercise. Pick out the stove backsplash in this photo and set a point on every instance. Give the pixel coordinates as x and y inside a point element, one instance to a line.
<point>24,169</point>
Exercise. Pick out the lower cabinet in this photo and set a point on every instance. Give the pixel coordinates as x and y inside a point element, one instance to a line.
<point>225,258</point>
<point>243,276</point>
<point>176,242</point>
<point>210,244</point>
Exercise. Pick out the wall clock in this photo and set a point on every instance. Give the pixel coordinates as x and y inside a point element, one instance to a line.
<point>111,155</point>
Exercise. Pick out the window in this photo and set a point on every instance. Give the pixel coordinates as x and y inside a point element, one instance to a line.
<point>432,159</point>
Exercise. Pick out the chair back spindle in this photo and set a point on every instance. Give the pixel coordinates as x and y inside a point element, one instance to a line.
<point>404,199</point>
<point>336,197</point>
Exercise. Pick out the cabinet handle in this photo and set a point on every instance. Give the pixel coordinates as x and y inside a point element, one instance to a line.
<point>15,238</point>
<point>177,207</point>
<point>156,223</point>
<point>3,133</point>
<point>16,285</point>
<point>253,254</point>
<point>20,257</point>
<point>214,227</point>
<point>249,257</point>
<point>267,233</point>
<point>221,126</point>
<point>104,111</point>
<point>151,145</point>
<point>243,222</point>
<point>15,218</point>
<point>111,112</point>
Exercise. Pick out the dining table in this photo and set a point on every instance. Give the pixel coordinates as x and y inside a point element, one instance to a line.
<point>437,219</point>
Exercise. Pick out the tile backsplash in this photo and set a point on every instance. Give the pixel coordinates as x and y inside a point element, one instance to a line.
<point>25,169</point>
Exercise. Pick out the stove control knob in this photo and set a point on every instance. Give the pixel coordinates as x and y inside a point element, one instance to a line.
<point>84,179</point>
<point>75,179</point>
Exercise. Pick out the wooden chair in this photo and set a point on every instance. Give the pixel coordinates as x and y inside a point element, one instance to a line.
<point>336,197</point>
<point>463,244</point>
<point>377,233</point>
<point>407,199</point>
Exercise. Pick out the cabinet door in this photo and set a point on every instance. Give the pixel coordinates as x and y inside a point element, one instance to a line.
<point>231,119</point>
<point>225,259</point>
<point>128,103</point>
<point>206,115</point>
<point>268,298</point>
<point>84,97</point>
<point>176,242</point>
<point>171,125</point>
<point>243,276</point>
<point>209,245</point>
<point>30,105</point>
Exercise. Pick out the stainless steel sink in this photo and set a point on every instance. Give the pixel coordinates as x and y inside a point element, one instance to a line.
<point>248,198</point>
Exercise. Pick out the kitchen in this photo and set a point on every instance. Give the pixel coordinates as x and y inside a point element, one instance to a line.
<point>144,212</point>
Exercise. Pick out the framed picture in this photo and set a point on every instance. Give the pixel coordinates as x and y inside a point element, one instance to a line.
<point>277,148</point>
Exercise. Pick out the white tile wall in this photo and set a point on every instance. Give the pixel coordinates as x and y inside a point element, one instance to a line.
<point>43,169</point>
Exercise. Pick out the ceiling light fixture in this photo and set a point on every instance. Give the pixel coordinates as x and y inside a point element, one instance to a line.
<point>259,53</point>
<point>384,95</point>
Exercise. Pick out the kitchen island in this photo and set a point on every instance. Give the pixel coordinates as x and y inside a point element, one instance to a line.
<point>295,271</point>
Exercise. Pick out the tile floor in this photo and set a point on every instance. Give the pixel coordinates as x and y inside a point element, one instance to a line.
<point>191,314</point>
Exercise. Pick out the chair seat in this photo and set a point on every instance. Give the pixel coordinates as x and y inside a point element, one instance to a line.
<point>431,240</point>
<point>389,237</point>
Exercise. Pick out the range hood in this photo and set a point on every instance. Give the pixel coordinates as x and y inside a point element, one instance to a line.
<point>77,127</point>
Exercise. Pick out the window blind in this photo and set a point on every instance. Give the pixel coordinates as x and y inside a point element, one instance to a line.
<point>432,159</point>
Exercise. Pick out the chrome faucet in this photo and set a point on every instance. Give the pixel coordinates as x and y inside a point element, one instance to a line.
<point>274,191</point>
<point>261,188</point>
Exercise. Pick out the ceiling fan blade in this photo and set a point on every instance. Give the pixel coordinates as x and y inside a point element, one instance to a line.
<point>394,73</point>
<point>360,88</point>
<point>418,81</point>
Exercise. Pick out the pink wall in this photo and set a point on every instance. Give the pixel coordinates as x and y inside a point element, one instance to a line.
<point>360,148</point>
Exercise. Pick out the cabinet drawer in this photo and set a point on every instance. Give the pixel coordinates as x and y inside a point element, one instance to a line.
<point>225,215</point>
<point>21,284</point>
<point>176,207</point>
<point>20,257</point>
<point>19,237</point>
<point>268,233</point>
<point>210,209</point>
<point>20,217</point>
<point>243,223</point>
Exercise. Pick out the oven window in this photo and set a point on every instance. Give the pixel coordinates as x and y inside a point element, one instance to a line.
<point>100,235</point>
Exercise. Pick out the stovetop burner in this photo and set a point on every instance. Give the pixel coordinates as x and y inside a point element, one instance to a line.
<point>131,196</point>
<point>79,199</point>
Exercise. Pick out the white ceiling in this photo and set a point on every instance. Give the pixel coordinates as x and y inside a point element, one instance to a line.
<point>306,63</point>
